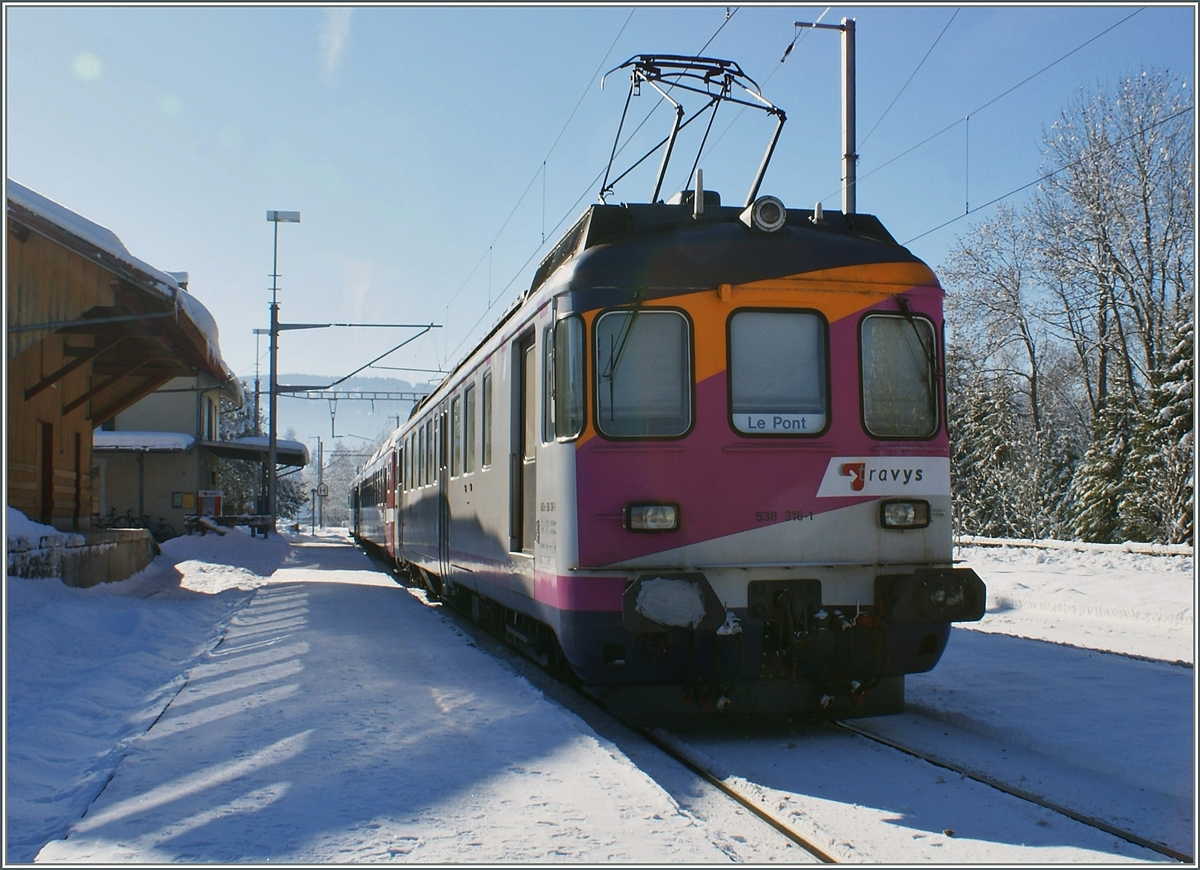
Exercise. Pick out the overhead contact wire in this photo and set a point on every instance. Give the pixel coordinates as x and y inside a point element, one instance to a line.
<point>910,78</point>
<point>570,211</point>
<point>1073,163</point>
<point>996,98</point>
<point>541,169</point>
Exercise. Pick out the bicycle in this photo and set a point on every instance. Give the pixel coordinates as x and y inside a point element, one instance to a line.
<point>125,521</point>
<point>160,529</point>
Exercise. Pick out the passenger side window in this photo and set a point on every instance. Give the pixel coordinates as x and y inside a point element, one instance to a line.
<point>899,376</point>
<point>643,376</point>
<point>547,387</point>
<point>568,377</point>
<point>487,419</point>
<point>422,478</point>
<point>469,429</point>
<point>456,437</point>
<point>438,447</point>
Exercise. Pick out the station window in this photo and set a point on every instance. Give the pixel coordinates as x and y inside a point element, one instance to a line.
<point>777,372</point>
<point>643,376</point>
<point>487,419</point>
<point>568,377</point>
<point>899,376</point>
<point>469,428</point>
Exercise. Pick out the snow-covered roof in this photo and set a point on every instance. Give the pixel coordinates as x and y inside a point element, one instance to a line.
<point>253,447</point>
<point>256,447</point>
<point>280,444</point>
<point>171,285</point>
<point>158,442</point>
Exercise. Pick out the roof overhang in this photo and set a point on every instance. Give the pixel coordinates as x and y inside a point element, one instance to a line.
<point>250,449</point>
<point>154,331</point>
<point>256,448</point>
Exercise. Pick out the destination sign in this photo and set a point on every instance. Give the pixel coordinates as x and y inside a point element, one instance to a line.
<point>776,424</point>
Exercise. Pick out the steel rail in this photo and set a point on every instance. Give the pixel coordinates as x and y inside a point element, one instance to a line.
<point>647,735</point>
<point>731,792</point>
<point>985,779</point>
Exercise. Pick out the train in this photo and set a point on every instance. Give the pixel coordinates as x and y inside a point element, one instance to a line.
<point>700,466</point>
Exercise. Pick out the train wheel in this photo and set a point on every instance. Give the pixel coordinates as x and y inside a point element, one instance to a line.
<point>424,578</point>
<point>400,574</point>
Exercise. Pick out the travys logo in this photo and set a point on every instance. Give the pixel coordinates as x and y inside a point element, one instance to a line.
<point>885,475</point>
<point>858,472</point>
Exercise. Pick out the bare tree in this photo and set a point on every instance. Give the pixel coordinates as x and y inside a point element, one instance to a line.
<point>1076,304</point>
<point>1114,224</point>
<point>991,273</point>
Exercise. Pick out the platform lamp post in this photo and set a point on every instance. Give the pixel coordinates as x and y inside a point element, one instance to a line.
<point>275,217</point>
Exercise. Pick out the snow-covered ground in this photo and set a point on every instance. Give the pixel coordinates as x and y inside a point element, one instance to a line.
<point>283,700</point>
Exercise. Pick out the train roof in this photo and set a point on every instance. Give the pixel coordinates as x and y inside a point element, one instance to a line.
<point>654,235</point>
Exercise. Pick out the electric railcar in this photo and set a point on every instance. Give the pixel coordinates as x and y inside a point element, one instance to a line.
<point>702,464</point>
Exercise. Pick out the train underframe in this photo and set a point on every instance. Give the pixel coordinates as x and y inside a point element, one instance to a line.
<point>787,653</point>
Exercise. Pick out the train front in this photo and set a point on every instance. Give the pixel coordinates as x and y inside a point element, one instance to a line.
<point>762,481</point>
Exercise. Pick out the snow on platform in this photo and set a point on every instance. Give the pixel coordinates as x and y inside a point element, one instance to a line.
<point>283,700</point>
<point>333,718</point>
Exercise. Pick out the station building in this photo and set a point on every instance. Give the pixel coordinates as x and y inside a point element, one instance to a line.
<point>114,382</point>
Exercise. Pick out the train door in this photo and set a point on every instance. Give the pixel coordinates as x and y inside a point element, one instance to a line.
<point>443,497</point>
<point>524,478</point>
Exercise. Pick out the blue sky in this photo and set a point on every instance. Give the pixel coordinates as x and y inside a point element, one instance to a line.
<point>412,139</point>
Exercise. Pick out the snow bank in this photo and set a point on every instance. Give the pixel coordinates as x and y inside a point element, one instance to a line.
<point>24,534</point>
<point>89,670</point>
<point>1095,597</point>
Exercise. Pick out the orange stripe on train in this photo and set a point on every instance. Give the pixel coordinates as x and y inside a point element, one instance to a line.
<point>836,293</point>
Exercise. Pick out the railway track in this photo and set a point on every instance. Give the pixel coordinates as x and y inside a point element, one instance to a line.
<point>665,744</point>
<point>760,806</point>
<point>679,751</point>
<point>1023,794</point>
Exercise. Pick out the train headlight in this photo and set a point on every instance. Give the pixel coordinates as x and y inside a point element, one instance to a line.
<point>766,214</point>
<point>652,517</point>
<point>904,514</point>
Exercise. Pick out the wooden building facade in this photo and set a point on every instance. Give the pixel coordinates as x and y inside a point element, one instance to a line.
<point>90,330</point>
